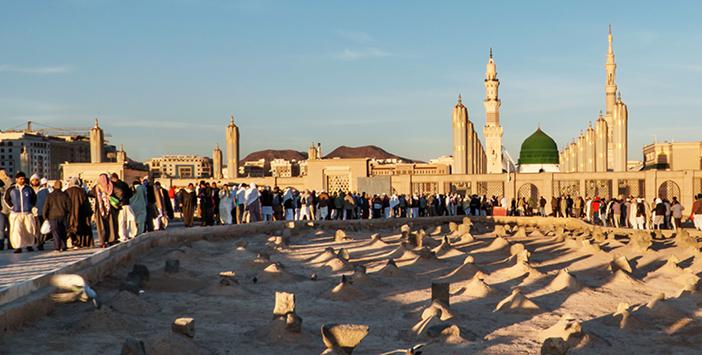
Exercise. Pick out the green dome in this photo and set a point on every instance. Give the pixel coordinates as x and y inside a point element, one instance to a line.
<point>539,148</point>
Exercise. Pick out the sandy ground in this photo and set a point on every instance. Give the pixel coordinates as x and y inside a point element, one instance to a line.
<point>508,294</point>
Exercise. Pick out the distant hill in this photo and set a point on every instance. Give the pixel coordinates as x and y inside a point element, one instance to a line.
<point>367,151</point>
<point>270,154</point>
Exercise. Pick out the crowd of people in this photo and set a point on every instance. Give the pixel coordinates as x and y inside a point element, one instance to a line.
<point>35,210</point>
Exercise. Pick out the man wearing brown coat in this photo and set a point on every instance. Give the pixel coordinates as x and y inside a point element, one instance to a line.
<point>56,211</point>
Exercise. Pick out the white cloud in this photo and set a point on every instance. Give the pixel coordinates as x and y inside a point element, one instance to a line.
<point>33,70</point>
<point>363,53</point>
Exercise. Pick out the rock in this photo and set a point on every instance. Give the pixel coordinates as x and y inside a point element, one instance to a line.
<point>516,302</point>
<point>133,346</point>
<point>284,311</point>
<point>342,338</point>
<point>521,232</point>
<point>684,240</point>
<point>554,346</point>
<point>620,263</point>
<point>142,271</point>
<point>440,292</point>
<point>284,303</point>
<point>566,328</point>
<point>339,236</point>
<point>598,236</point>
<point>172,266</point>
<point>641,241</point>
<point>564,280</point>
<point>405,230</point>
<point>516,248</point>
<point>240,244</point>
<point>443,330</point>
<point>227,278</point>
<point>133,283</point>
<point>185,326</point>
<point>344,254</point>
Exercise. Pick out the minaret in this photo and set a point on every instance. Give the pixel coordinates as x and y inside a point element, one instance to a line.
<point>611,85</point>
<point>121,155</point>
<point>97,144</point>
<point>493,129</point>
<point>581,152</point>
<point>464,151</point>
<point>312,152</point>
<point>232,145</point>
<point>590,149</point>
<point>601,144</point>
<point>217,163</point>
<point>25,161</point>
<point>620,135</point>
<point>610,96</point>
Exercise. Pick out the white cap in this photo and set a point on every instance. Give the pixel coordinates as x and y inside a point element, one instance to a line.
<point>43,181</point>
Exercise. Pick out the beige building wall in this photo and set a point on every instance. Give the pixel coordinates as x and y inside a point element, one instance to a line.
<point>89,172</point>
<point>673,156</point>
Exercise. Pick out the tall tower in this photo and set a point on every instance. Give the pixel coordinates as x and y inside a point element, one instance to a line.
<point>217,163</point>
<point>232,145</point>
<point>97,144</point>
<point>601,144</point>
<point>493,129</point>
<point>463,147</point>
<point>610,97</point>
<point>312,152</point>
<point>121,155</point>
<point>25,161</point>
<point>590,149</point>
<point>620,135</point>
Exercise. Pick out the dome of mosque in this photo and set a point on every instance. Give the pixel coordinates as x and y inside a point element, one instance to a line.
<point>538,148</point>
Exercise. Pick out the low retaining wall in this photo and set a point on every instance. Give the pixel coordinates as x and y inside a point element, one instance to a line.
<point>29,300</point>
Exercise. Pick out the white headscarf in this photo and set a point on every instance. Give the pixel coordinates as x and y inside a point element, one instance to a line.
<point>252,194</point>
<point>287,195</point>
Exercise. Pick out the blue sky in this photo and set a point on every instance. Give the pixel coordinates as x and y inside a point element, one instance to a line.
<point>164,76</point>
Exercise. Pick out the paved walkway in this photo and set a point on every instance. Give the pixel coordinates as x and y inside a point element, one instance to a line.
<point>24,266</point>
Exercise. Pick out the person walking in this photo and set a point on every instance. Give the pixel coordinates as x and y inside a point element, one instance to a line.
<point>138,203</point>
<point>4,212</point>
<point>676,211</point>
<point>42,191</point>
<point>78,229</point>
<point>126,221</point>
<point>57,208</point>
<point>188,203</point>
<point>106,211</point>
<point>21,199</point>
<point>226,204</point>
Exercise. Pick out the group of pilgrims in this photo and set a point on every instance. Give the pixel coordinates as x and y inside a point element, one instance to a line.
<point>36,210</point>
